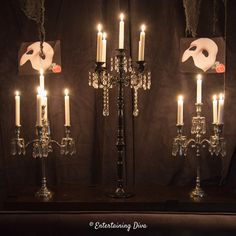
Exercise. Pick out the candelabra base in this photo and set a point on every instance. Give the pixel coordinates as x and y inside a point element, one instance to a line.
<point>120,193</point>
<point>197,193</point>
<point>44,194</point>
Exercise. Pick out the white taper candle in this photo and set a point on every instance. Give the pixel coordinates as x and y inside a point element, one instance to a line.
<point>99,43</point>
<point>199,89</point>
<point>39,108</point>
<point>180,110</point>
<point>121,31</point>
<point>214,109</point>
<point>221,109</point>
<point>142,43</point>
<point>139,51</point>
<point>67,108</point>
<point>104,49</point>
<point>17,108</point>
<point>45,104</point>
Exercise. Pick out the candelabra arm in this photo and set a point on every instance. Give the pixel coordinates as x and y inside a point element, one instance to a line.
<point>55,142</point>
<point>191,141</point>
<point>31,142</point>
<point>205,141</point>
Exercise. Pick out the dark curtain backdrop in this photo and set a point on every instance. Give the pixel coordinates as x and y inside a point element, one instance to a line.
<point>149,136</point>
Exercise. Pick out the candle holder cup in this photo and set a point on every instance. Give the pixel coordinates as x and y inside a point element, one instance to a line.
<point>141,66</point>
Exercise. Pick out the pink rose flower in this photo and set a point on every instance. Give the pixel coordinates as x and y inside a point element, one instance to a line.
<point>220,68</point>
<point>56,69</point>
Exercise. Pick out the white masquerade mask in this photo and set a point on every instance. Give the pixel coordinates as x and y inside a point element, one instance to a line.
<point>32,54</point>
<point>203,51</point>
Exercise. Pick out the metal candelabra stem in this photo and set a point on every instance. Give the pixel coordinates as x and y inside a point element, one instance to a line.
<point>197,191</point>
<point>120,143</point>
<point>42,146</point>
<point>216,145</point>
<point>122,74</point>
<point>43,193</point>
<point>120,133</point>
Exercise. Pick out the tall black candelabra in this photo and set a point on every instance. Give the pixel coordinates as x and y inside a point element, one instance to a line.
<point>42,146</point>
<point>216,144</point>
<point>122,74</point>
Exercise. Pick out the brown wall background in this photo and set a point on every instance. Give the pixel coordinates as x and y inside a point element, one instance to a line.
<point>149,136</point>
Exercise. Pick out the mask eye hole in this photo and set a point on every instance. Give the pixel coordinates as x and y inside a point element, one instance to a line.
<point>205,53</point>
<point>193,48</point>
<point>30,52</point>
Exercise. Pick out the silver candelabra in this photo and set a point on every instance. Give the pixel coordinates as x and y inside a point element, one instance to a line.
<point>42,146</point>
<point>216,144</point>
<point>123,73</point>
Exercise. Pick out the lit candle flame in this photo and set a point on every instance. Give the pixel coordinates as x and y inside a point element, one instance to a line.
<point>66,92</point>
<point>104,35</point>
<point>180,98</point>
<point>143,27</point>
<point>121,16</point>
<point>221,96</point>
<point>17,93</point>
<point>199,77</point>
<point>99,27</point>
<point>214,97</point>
